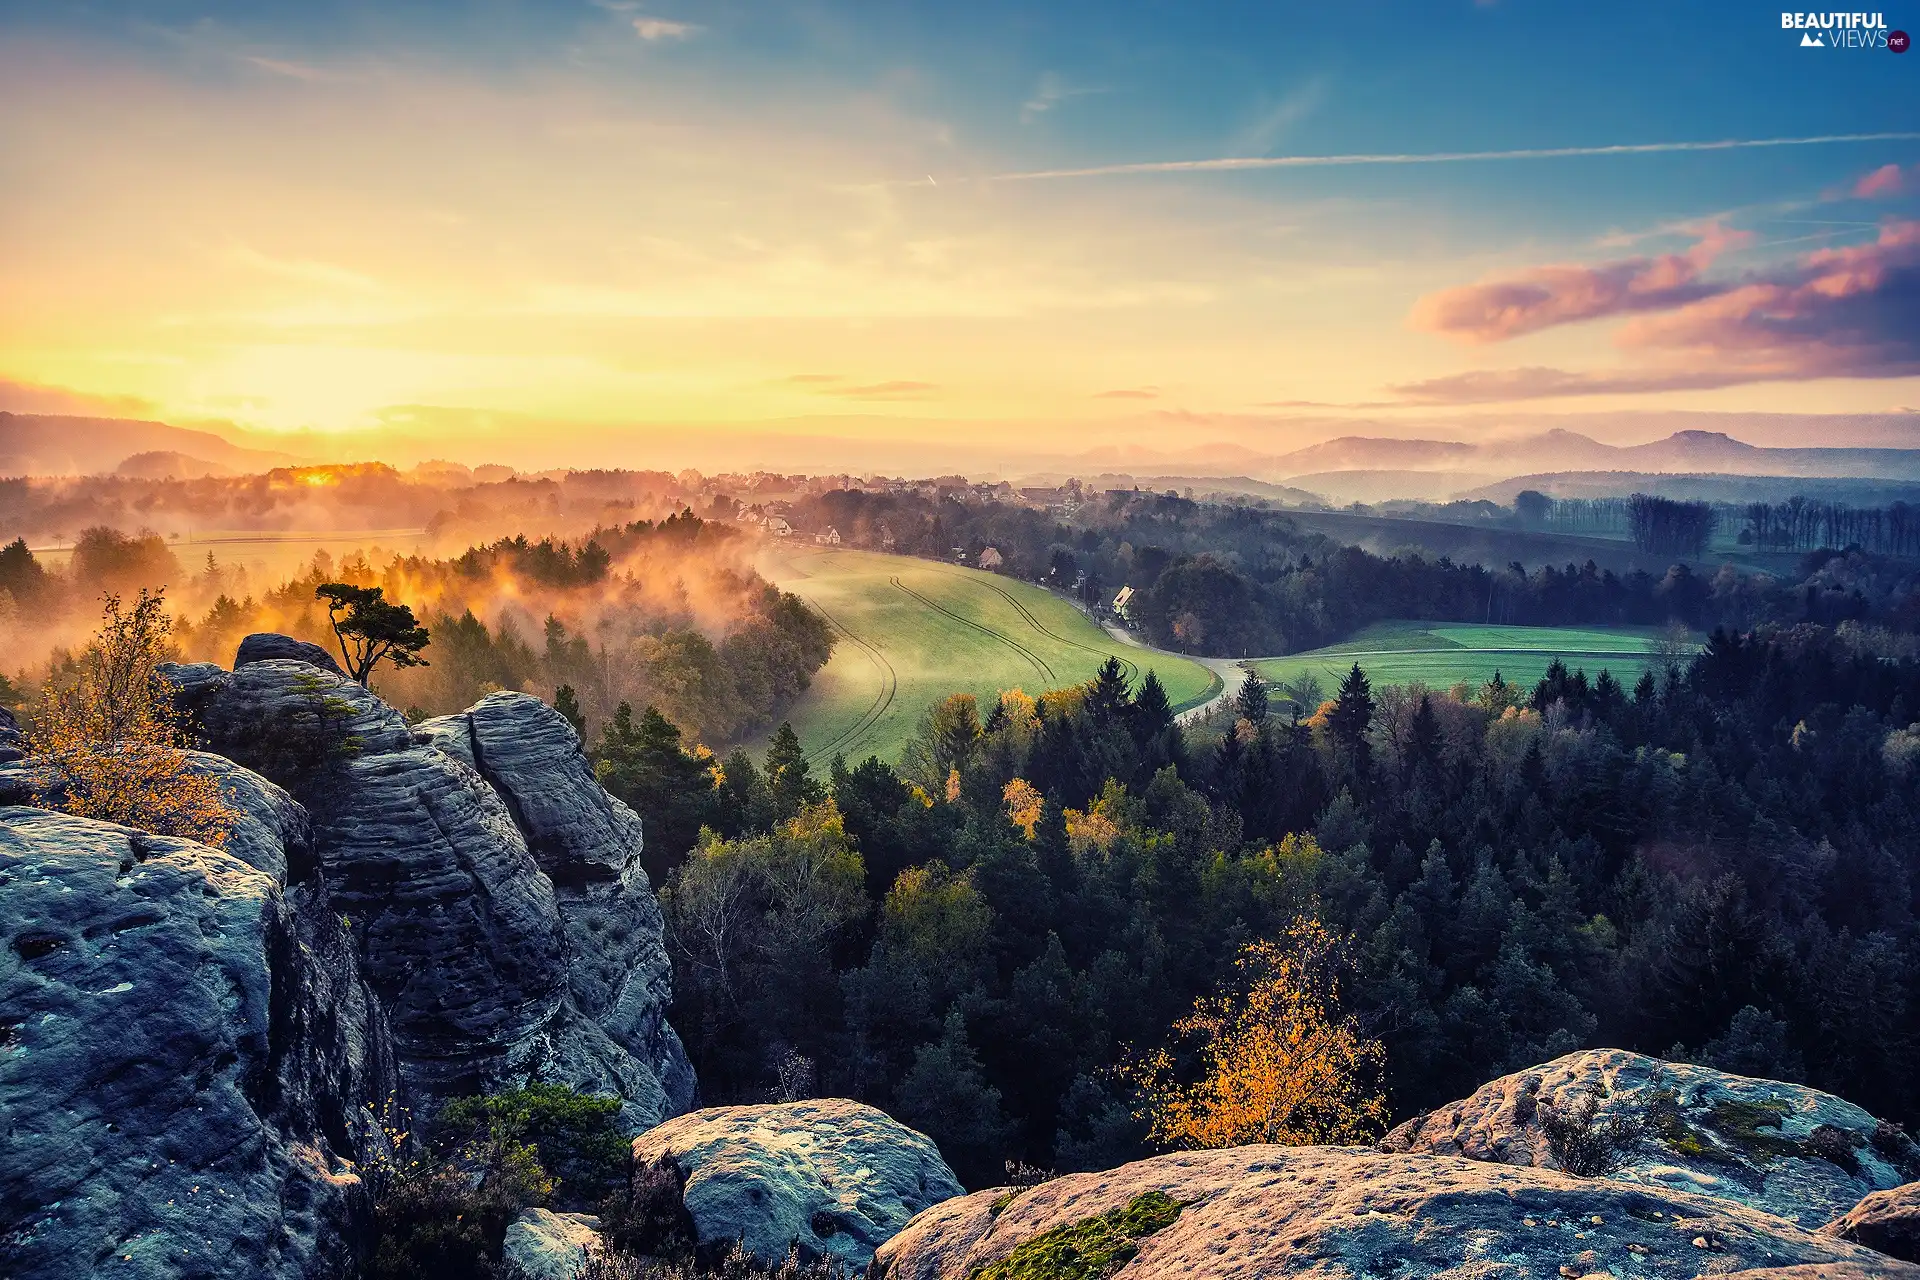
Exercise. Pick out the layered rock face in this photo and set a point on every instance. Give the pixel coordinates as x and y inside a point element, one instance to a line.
<point>494,890</point>
<point>1790,1150</point>
<point>189,1065</point>
<point>834,1176</point>
<point>1886,1220</point>
<point>1350,1213</point>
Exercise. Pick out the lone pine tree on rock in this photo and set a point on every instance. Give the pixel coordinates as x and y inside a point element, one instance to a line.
<point>370,627</point>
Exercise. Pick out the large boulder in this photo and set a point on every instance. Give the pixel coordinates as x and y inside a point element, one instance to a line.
<point>832,1176</point>
<point>1350,1213</point>
<point>190,1069</point>
<point>1886,1220</point>
<point>1790,1150</point>
<point>588,844</point>
<point>494,891</point>
<point>264,646</point>
<point>543,1245</point>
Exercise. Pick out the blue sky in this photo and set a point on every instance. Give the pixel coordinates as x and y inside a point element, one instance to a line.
<point>690,211</point>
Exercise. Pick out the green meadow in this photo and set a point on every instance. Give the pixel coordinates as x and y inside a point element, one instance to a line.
<point>910,631</point>
<point>1441,654</point>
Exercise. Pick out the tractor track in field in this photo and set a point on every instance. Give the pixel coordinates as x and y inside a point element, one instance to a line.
<point>1039,663</point>
<point>882,701</point>
<point>1127,665</point>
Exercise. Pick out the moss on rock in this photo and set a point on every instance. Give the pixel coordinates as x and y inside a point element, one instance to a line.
<point>1090,1248</point>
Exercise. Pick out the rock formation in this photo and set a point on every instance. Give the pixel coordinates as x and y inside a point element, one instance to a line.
<point>189,1065</point>
<point>1790,1150</point>
<point>835,1176</point>
<point>495,890</point>
<point>264,645</point>
<point>1886,1220</point>
<point>543,1245</point>
<point>1345,1212</point>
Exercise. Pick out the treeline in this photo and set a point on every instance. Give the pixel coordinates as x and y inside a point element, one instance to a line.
<point>1217,579</point>
<point>1662,526</point>
<point>442,497</point>
<point>1719,863</point>
<point>669,612</point>
<point>1801,524</point>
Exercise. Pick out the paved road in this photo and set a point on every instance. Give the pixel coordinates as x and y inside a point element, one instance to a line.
<point>1228,671</point>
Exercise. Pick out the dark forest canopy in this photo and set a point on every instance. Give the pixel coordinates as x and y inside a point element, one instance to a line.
<point>1234,580</point>
<point>1719,863</point>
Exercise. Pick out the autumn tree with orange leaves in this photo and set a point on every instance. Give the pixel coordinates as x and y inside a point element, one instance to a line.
<point>1278,1062</point>
<point>109,743</point>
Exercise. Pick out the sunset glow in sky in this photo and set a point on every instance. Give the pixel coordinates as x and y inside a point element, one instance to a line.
<point>332,215</point>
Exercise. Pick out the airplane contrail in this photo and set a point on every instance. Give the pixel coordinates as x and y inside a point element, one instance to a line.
<point>1229,163</point>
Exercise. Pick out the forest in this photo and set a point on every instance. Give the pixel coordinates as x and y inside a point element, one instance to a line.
<point>982,939</point>
<point>1237,580</point>
<point>668,612</point>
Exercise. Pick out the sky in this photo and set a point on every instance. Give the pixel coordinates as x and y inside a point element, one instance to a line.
<point>1028,226</point>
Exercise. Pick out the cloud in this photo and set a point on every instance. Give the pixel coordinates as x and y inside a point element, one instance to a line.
<point>1130,393</point>
<point>1492,386</point>
<point>807,379</point>
<point>31,397</point>
<point>1230,163</point>
<point>1050,93</point>
<point>1495,310</point>
<point>1852,312</point>
<point>653,30</point>
<point>1884,181</point>
<point>896,390</point>
<point>291,70</point>
<point>1276,121</point>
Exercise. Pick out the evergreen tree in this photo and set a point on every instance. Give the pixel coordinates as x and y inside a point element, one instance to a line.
<point>791,785</point>
<point>644,764</point>
<point>1152,712</point>
<point>1251,701</point>
<point>1423,736</point>
<point>567,703</point>
<point>1350,718</point>
<point>946,1096</point>
<point>742,802</point>
<point>1107,698</point>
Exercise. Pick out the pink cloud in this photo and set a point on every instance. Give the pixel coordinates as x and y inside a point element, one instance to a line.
<point>1495,310</point>
<point>1884,181</point>
<point>1852,312</point>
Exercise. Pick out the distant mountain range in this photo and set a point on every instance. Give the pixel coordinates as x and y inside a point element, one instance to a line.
<point>46,445</point>
<point>1374,468</point>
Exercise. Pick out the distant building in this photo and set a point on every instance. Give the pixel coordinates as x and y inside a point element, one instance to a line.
<point>886,538</point>
<point>778,527</point>
<point>1122,601</point>
<point>831,538</point>
<point>959,555</point>
<point>991,558</point>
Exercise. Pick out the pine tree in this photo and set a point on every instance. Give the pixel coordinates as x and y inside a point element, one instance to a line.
<point>946,1096</point>
<point>1152,712</point>
<point>1251,701</point>
<point>1107,698</point>
<point>1350,718</point>
<point>644,764</point>
<point>792,786</point>
<point>567,703</point>
<point>1423,736</point>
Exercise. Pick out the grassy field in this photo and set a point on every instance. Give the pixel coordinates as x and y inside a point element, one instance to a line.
<point>1439,654</point>
<point>911,631</point>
